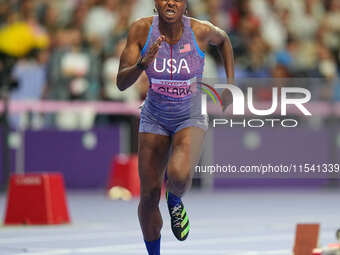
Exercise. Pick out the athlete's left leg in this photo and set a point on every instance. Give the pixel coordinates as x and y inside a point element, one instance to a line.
<point>186,150</point>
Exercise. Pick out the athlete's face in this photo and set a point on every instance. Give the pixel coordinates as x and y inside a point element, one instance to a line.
<point>171,10</point>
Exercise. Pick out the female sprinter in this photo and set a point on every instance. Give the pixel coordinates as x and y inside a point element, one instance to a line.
<point>170,48</point>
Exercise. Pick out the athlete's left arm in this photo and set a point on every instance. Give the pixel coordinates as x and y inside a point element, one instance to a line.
<point>220,39</point>
<point>215,36</point>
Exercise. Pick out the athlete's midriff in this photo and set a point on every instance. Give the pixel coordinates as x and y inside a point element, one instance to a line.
<point>173,88</point>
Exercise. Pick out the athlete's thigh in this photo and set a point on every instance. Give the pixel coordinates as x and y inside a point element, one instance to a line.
<point>153,151</point>
<point>186,148</point>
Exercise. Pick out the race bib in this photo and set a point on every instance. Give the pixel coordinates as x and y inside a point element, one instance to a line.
<point>174,88</point>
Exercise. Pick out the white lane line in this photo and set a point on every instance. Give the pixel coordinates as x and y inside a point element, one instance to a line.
<point>139,245</point>
<point>69,236</point>
<point>125,250</point>
<point>217,252</point>
<point>90,236</point>
<point>95,250</point>
<point>115,234</point>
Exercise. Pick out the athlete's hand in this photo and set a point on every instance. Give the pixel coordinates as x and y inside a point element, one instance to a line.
<point>227,99</point>
<point>153,51</point>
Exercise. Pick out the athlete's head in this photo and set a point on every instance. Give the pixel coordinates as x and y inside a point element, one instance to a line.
<point>171,10</point>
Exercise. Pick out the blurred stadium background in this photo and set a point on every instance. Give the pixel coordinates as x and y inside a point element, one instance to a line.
<point>59,61</point>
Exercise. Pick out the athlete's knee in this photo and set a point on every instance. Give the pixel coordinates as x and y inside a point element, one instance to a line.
<point>150,196</point>
<point>179,176</point>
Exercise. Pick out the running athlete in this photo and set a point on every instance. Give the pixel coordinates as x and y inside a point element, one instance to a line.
<point>170,48</point>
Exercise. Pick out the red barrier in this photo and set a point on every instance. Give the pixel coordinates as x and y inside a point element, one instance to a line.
<point>124,173</point>
<point>36,199</point>
<point>306,238</point>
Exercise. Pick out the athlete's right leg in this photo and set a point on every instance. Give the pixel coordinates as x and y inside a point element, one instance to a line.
<point>153,152</point>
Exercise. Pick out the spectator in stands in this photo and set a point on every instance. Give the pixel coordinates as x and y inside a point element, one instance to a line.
<point>141,8</point>
<point>119,32</point>
<point>305,23</point>
<point>287,56</point>
<point>79,14</point>
<point>30,73</point>
<point>74,71</point>
<point>272,30</point>
<point>4,10</point>
<point>101,20</point>
<point>331,28</point>
<point>328,70</point>
<point>110,71</point>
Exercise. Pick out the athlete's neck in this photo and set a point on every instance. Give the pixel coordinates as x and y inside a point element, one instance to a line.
<point>172,31</point>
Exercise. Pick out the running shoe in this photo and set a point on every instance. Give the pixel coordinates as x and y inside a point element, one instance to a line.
<point>179,220</point>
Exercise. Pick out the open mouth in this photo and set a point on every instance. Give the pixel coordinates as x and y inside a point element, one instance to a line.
<point>170,12</point>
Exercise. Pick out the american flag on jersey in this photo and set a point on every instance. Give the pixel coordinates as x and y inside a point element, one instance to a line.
<point>185,48</point>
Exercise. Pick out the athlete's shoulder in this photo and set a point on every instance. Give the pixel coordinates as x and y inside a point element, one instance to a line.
<point>139,29</point>
<point>142,23</point>
<point>207,32</point>
<point>201,28</point>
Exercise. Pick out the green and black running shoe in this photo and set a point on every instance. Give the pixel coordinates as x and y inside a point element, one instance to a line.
<point>179,221</point>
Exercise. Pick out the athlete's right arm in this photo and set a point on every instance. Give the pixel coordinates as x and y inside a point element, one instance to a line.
<point>129,72</point>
